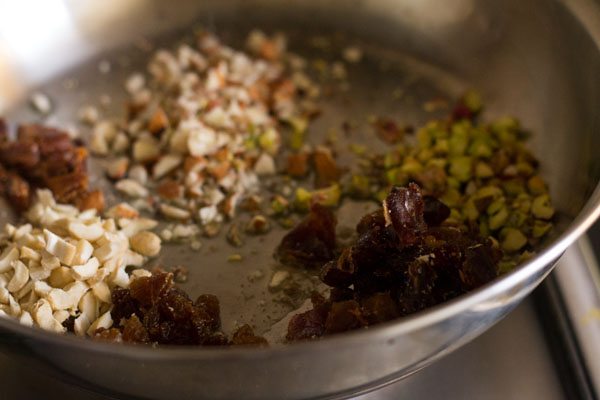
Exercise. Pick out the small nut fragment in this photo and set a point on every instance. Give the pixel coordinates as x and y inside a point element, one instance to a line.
<point>159,122</point>
<point>101,291</point>
<point>174,212</point>
<point>42,314</point>
<point>90,232</point>
<point>258,225</point>
<point>87,270</point>
<point>84,250</point>
<point>166,164</point>
<point>145,149</point>
<point>131,188</point>
<point>60,277</point>
<point>117,169</point>
<point>29,254</point>
<point>278,278</point>
<point>145,243</point>
<point>7,257</point>
<point>122,210</point>
<point>59,248</point>
<point>20,277</point>
<point>104,321</point>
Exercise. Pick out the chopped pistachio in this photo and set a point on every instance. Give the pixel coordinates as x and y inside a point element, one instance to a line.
<point>516,219</point>
<point>513,187</point>
<point>396,176</point>
<point>524,168</point>
<point>269,141</point>
<point>472,100</point>
<point>506,266</point>
<point>536,185</point>
<point>280,205</point>
<point>460,168</point>
<point>360,186</point>
<point>235,258</point>
<point>498,218</point>
<point>483,170</point>
<point>459,139</point>
<point>480,148</point>
<point>470,211</point>
<point>513,239</point>
<point>328,196</point>
<point>540,228</point>
<point>541,207</point>
<point>451,197</point>
<point>392,159</point>
<point>411,166</point>
<point>358,149</point>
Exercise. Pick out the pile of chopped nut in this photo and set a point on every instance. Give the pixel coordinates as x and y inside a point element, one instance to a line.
<point>202,128</point>
<point>58,271</point>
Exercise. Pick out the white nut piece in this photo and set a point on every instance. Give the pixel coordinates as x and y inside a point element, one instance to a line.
<point>120,143</point>
<point>41,288</point>
<point>90,232</point>
<point>61,315</point>
<point>89,306</point>
<point>76,290</point>
<point>84,251</point>
<point>85,271</point>
<point>145,149</point>
<point>104,321</point>
<point>58,247</point>
<point>59,299</point>
<point>60,277</point>
<point>138,225</point>
<point>24,291</point>
<point>102,292</point>
<point>20,277</point>
<point>26,319</point>
<point>81,324</point>
<point>28,253</point>
<point>38,273</point>
<point>166,164</point>
<point>139,174</point>
<point>131,188</point>
<point>102,135</point>
<point>174,212</point>
<point>133,259</point>
<point>7,257</point>
<point>49,261</point>
<point>146,243</point>
<point>122,210</point>
<point>140,273</point>
<point>42,315</point>
<point>116,169</point>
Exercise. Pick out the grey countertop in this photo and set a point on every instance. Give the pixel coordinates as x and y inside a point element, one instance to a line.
<point>510,361</point>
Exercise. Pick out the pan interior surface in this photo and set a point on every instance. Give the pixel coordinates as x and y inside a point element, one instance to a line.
<point>529,59</point>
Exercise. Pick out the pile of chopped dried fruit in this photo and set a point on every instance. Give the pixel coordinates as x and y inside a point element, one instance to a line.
<point>57,271</point>
<point>151,310</point>
<point>402,261</point>
<point>203,126</point>
<point>44,157</point>
<point>482,171</point>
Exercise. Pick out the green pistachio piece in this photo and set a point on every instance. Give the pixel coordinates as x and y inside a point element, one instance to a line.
<point>512,239</point>
<point>280,205</point>
<point>328,196</point>
<point>269,141</point>
<point>480,148</point>
<point>437,162</point>
<point>460,168</point>
<point>525,168</point>
<point>441,146</point>
<point>470,211</point>
<point>488,191</point>
<point>392,159</point>
<point>506,266</point>
<point>536,185</point>
<point>360,186</point>
<point>540,228</point>
<point>514,187</point>
<point>451,197</point>
<point>396,176</point>
<point>459,138</point>
<point>424,139</point>
<point>498,219</point>
<point>496,205</point>
<point>472,100</point>
<point>483,170</point>
<point>541,207</point>
<point>425,155</point>
<point>411,166</point>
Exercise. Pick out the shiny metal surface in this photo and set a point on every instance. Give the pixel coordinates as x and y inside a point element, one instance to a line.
<point>484,370</point>
<point>535,59</point>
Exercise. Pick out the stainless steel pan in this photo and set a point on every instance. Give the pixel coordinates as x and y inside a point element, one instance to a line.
<point>535,59</point>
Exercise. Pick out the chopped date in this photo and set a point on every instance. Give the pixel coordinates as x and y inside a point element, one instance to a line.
<point>404,260</point>
<point>403,209</point>
<point>152,310</point>
<point>312,242</point>
<point>46,157</point>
